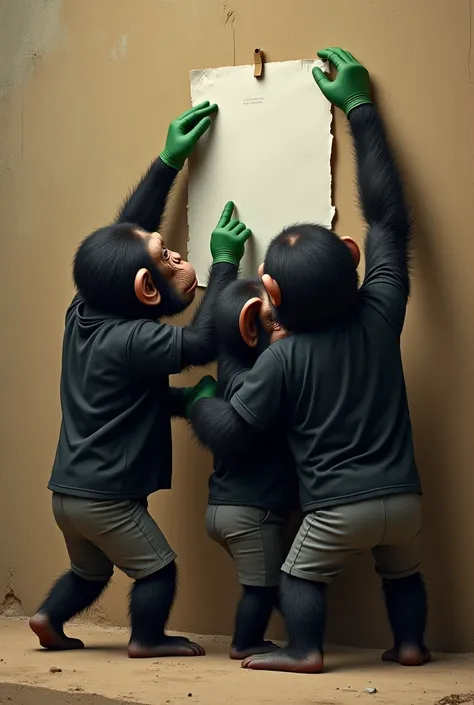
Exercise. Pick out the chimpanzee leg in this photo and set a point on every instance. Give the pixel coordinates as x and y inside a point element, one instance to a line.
<point>69,596</point>
<point>407,607</point>
<point>253,615</point>
<point>151,599</point>
<point>303,604</point>
<point>397,562</point>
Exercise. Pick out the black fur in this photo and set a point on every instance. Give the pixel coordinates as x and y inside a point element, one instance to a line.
<point>303,604</point>
<point>151,599</point>
<point>316,275</point>
<point>69,596</point>
<point>218,426</point>
<point>200,337</point>
<point>253,615</point>
<point>407,608</point>
<point>145,205</point>
<point>381,192</point>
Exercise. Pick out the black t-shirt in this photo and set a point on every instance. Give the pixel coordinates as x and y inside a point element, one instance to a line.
<point>263,478</point>
<point>115,437</point>
<point>343,394</point>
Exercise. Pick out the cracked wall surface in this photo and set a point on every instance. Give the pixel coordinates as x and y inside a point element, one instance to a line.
<point>87,90</point>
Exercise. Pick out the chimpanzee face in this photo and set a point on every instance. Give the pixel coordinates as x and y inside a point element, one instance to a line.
<point>179,274</point>
<point>171,284</point>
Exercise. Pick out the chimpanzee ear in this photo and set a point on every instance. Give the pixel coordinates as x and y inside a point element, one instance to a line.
<point>145,289</point>
<point>273,290</point>
<point>353,248</point>
<point>247,321</point>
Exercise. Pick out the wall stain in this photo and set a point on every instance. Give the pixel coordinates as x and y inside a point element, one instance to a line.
<point>120,48</point>
<point>229,16</point>
<point>11,605</point>
<point>229,20</point>
<point>28,29</point>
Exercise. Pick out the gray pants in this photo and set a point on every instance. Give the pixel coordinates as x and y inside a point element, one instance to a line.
<point>253,538</point>
<point>102,534</point>
<point>388,526</point>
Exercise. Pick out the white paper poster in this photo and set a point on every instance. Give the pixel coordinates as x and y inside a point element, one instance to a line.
<point>268,150</point>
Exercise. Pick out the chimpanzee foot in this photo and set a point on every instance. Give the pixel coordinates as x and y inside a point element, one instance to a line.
<point>168,646</point>
<point>49,637</point>
<point>263,648</point>
<point>408,655</point>
<point>286,660</point>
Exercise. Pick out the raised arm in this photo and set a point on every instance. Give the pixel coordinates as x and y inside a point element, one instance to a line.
<point>381,197</point>
<point>145,204</point>
<point>227,249</point>
<point>387,245</point>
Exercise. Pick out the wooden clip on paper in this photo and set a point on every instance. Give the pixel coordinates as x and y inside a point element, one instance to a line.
<point>258,63</point>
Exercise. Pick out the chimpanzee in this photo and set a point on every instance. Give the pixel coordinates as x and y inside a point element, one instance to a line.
<point>339,379</point>
<point>250,494</point>
<point>114,445</point>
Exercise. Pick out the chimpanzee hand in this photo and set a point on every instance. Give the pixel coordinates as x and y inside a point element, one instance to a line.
<point>205,388</point>
<point>351,87</point>
<point>229,238</point>
<point>185,132</point>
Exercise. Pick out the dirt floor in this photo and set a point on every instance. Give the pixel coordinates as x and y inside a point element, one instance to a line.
<point>102,675</point>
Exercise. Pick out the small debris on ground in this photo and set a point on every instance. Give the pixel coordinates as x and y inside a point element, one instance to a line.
<point>55,669</point>
<point>371,691</point>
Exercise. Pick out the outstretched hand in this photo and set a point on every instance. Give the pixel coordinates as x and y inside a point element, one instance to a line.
<point>204,389</point>
<point>185,132</point>
<point>229,238</point>
<point>351,87</point>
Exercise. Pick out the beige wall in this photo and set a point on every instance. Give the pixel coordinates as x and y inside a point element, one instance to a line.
<point>87,89</point>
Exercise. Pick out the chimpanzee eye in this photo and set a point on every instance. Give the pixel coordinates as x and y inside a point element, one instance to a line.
<point>165,254</point>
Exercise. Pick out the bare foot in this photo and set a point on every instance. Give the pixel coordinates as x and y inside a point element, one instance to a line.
<point>286,660</point>
<point>170,646</point>
<point>263,648</point>
<point>408,655</point>
<point>49,637</point>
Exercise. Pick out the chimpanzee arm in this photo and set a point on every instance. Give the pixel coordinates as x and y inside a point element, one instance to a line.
<point>218,427</point>
<point>200,337</point>
<point>387,248</point>
<point>227,427</point>
<point>146,203</point>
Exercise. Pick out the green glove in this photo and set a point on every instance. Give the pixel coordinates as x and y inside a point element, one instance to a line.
<point>351,87</point>
<point>229,238</point>
<point>204,389</point>
<point>185,132</point>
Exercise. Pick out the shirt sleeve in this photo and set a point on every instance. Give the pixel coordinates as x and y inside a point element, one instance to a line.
<point>155,350</point>
<point>73,306</point>
<point>260,398</point>
<point>385,286</point>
